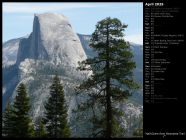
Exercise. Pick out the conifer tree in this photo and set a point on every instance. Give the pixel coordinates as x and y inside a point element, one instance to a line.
<point>23,126</point>
<point>56,112</point>
<point>7,121</point>
<point>112,71</point>
<point>40,128</point>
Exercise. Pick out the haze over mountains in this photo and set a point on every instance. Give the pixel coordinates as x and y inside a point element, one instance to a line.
<point>53,47</point>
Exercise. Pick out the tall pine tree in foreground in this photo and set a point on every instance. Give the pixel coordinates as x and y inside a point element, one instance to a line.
<point>7,126</point>
<point>22,123</point>
<point>56,112</point>
<point>112,73</point>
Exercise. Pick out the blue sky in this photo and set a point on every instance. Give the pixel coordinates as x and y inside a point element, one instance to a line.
<point>18,17</point>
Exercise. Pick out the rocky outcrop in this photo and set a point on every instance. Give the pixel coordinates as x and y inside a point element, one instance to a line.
<point>52,39</point>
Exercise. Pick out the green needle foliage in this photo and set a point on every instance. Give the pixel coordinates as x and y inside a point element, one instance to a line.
<point>56,112</point>
<point>112,73</point>
<point>23,126</point>
<point>7,130</point>
<point>17,122</point>
<point>40,128</point>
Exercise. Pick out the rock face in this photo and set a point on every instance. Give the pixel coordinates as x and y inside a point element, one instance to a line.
<point>52,39</point>
<point>54,47</point>
<point>85,41</point>
<point>51,47</point>
<point>10,49</point>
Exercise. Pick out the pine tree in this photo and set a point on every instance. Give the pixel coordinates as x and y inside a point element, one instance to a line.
<point>112,71</point>
<point>56,112</point>
<point>40,128</point>
<point>23,126</point>
<point>7,121</point>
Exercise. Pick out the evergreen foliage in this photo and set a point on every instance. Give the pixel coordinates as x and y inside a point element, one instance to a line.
<point>112,73</point>
<point>7,121</point>
<point>40,128</point>
<point>17,122</point>
<point>23,126</point>
<point>56,112</point>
